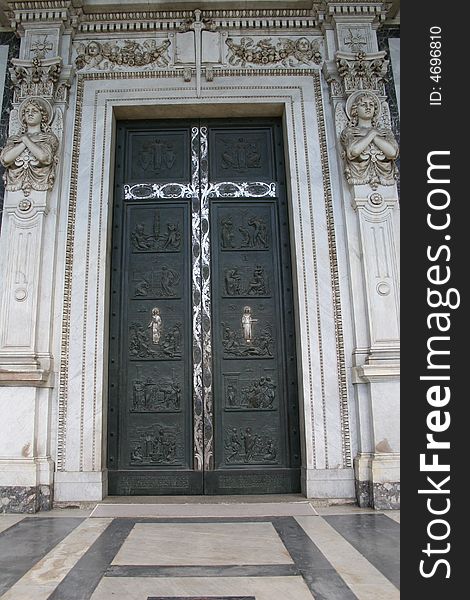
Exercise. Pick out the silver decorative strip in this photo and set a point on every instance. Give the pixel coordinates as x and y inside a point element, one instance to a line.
<point>152,191</point>
<point>198,402</point>
<point>247,189</point>
<point>206,303</point>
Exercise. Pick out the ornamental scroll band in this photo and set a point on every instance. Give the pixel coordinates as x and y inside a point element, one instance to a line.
<point>223,189</point>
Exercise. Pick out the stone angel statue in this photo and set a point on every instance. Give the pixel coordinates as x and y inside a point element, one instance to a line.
<point>29,157</point>
<point>369,151</point>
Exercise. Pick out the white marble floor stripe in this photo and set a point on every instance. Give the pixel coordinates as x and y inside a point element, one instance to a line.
<point>7,521</point>
<point>262,588</point>
<point>393,514</point>
<point>40,581</point>
<point>268,509</point>
<point>364,579</point>
<point>202,544</point>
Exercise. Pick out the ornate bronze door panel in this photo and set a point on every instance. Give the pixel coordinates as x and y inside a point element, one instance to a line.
<point>203,391</point>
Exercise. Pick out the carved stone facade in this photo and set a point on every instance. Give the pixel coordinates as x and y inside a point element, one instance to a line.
<point>80,70</point>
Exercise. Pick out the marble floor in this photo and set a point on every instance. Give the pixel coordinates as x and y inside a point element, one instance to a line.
<point>293,552</point>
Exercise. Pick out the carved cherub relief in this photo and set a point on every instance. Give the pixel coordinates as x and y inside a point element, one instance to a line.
<point>369,151</point>
<point>29,157</point>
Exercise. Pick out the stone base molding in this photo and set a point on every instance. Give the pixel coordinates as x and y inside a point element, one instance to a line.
<point>82,486</point>
<point>331,484</point>
<point>378,480</point>
<point>25,499</point>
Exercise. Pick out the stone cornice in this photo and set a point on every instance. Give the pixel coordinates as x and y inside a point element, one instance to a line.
<point>341,10</point>
<point>73,13</point>
<point>168,20</point>
<point>42,12</point>
<point>361,7</point>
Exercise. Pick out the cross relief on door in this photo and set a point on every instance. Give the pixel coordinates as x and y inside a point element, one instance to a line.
<point>204,345</point>
<point>200,190</point>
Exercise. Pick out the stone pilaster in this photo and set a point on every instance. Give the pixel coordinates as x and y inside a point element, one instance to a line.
<point>356,73</point>
<point>41,77</point>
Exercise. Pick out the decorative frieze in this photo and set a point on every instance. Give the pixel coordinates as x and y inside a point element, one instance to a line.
<point>41,47</point>
<point>119,54</point>
<point>284,52</point>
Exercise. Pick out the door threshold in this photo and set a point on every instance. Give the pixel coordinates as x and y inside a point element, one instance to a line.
<point>200,507</point>
<point>216,499</point>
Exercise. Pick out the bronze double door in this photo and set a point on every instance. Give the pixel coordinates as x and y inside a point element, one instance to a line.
<point>202,372</point>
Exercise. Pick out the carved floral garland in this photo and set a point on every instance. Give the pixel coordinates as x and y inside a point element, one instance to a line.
<point>286,52</point>
<point>131,54</point>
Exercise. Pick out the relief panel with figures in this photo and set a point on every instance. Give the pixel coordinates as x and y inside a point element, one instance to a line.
<point>244,154</point>
<point>159,156</point>
<point>150,415</point>
<point>250,316</point>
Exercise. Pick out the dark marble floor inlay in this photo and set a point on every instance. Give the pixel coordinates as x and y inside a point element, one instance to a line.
<point>81,581</point>
<point>318,573</point>
<point>376,537</point>
<point>24,544</point>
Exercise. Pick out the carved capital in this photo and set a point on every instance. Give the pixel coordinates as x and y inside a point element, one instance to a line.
<point>362,71</point>
<point>46,79</point>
